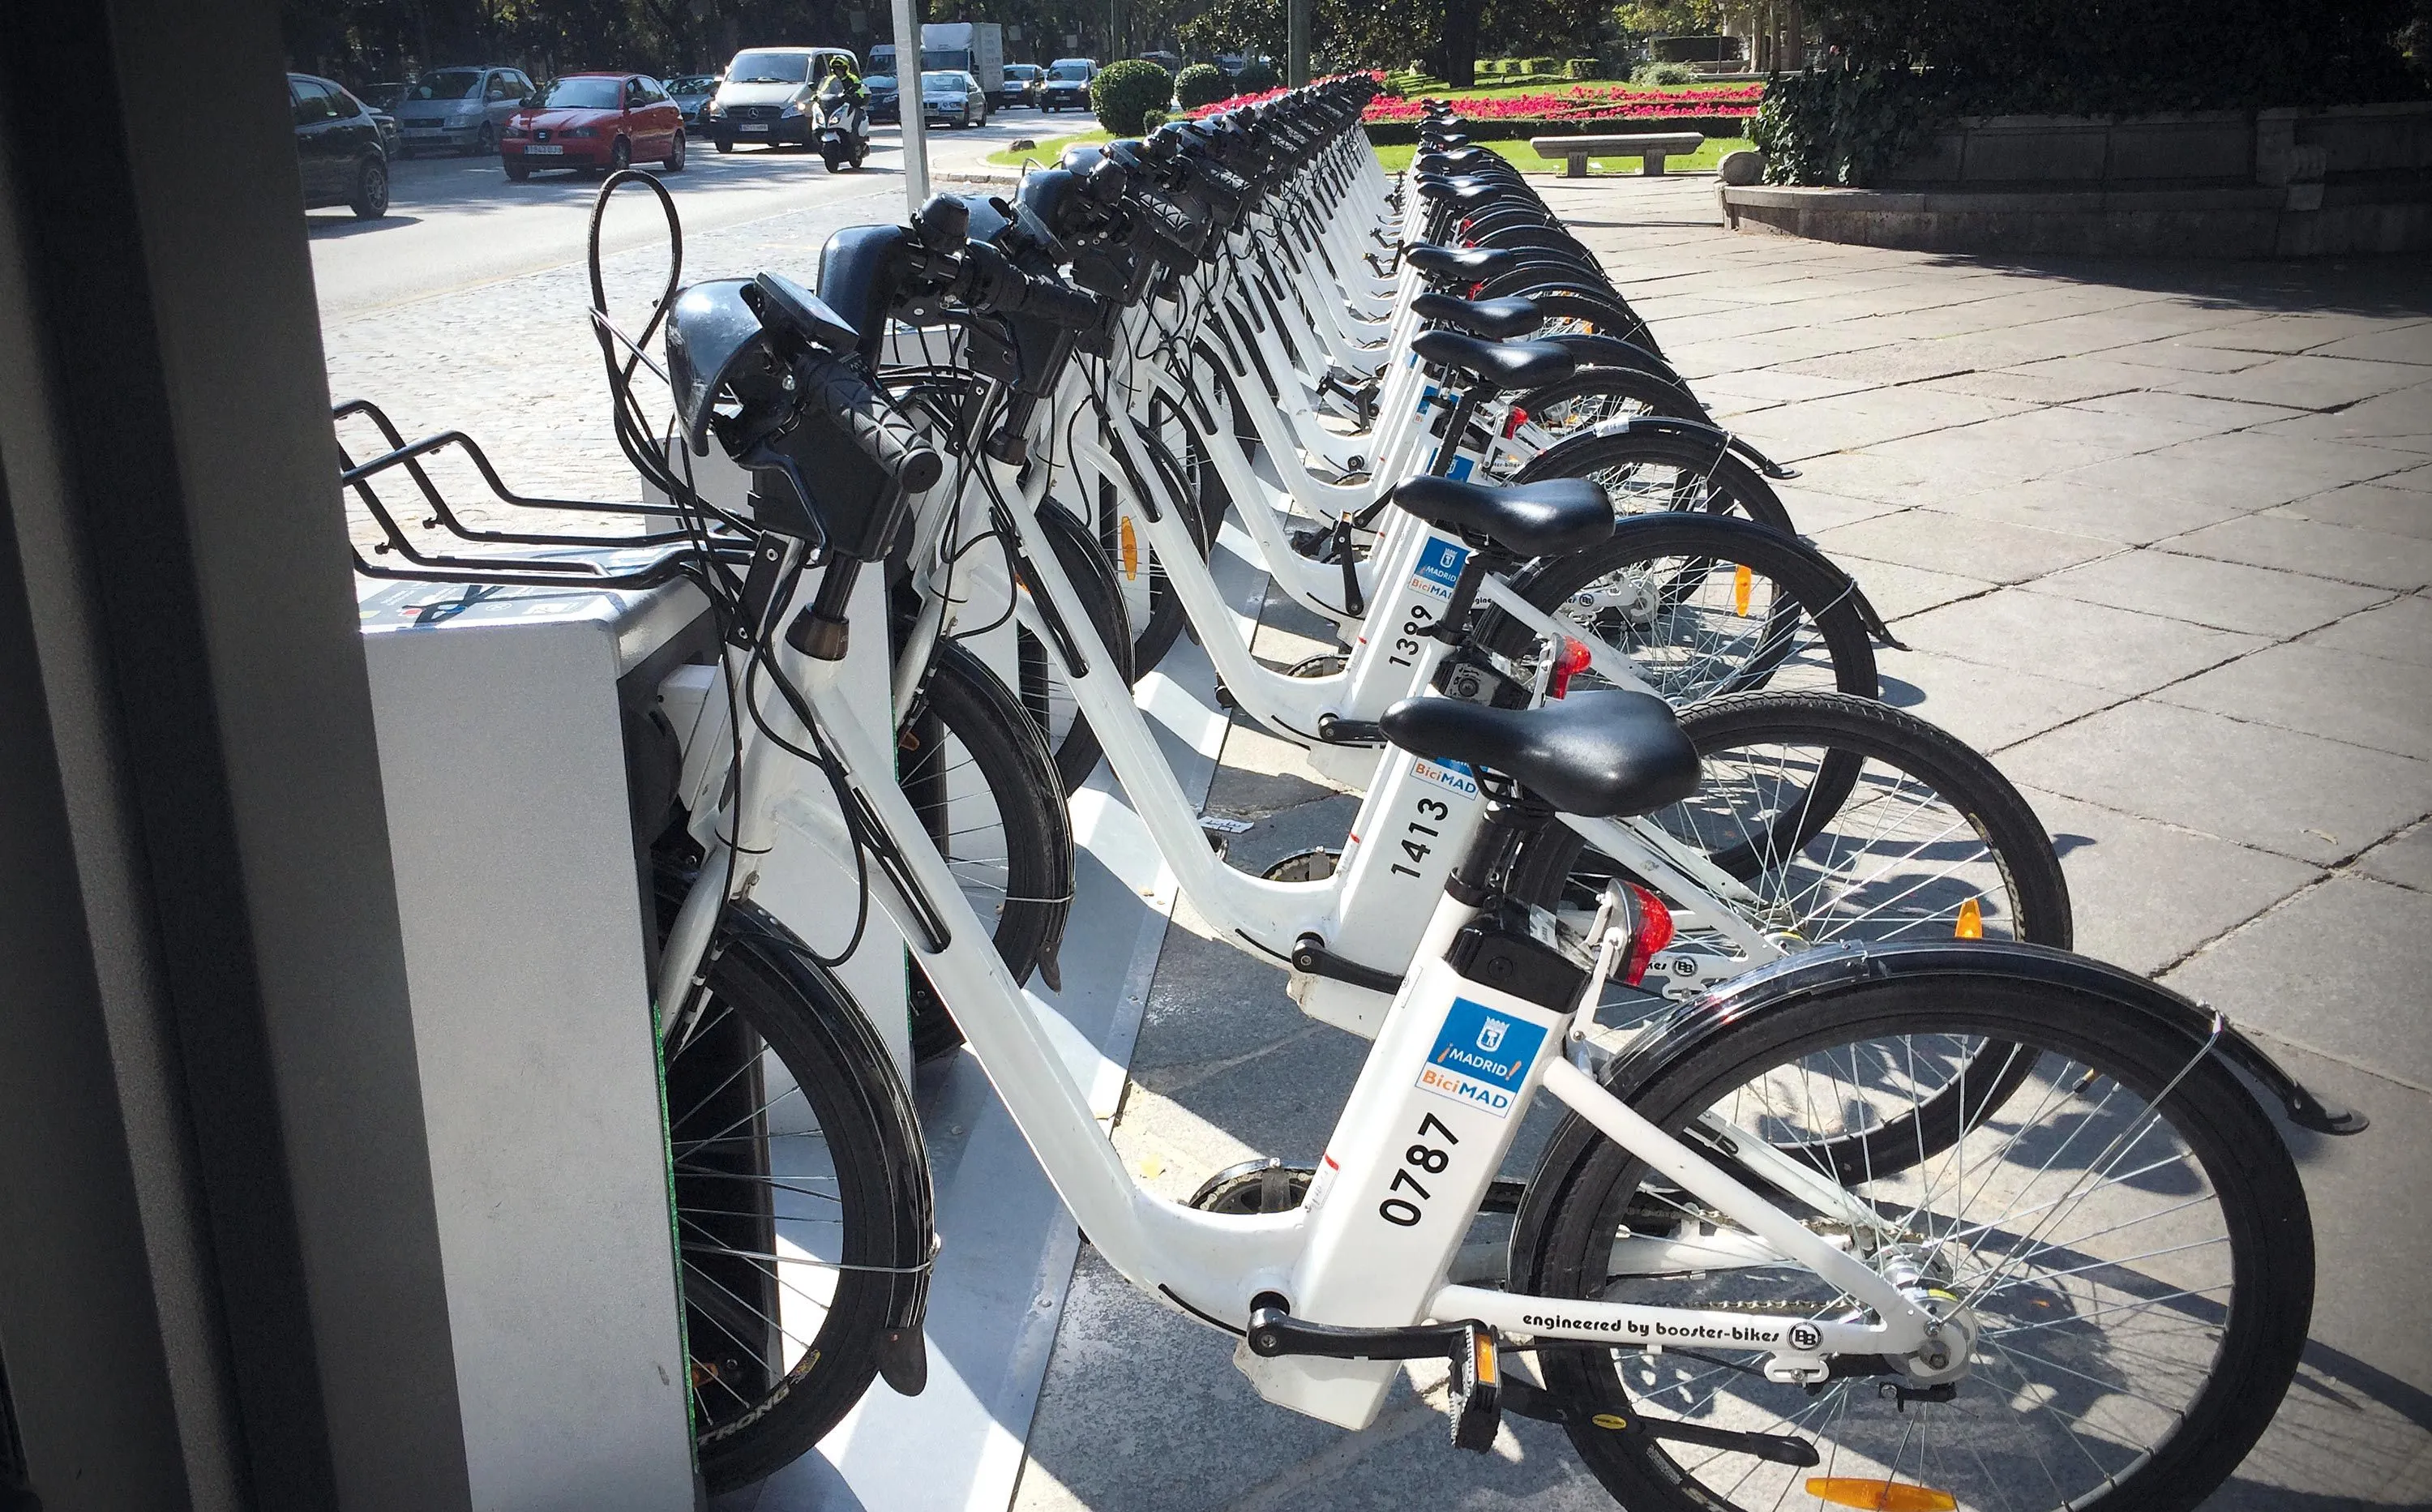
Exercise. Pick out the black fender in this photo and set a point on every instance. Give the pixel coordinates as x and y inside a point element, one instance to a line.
<point>1612,351</point>
<point>1711,435</point>
<point>1725,527</point>
<point>1833,968</point>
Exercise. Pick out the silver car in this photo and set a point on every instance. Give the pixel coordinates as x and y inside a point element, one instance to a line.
<point>951,96</point>
<point>462,109</point>
<point>691,91</point>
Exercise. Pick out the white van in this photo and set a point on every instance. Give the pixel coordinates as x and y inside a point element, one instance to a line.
<point>766,97</point>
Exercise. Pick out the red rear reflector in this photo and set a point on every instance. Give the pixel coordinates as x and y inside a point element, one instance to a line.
<point>1513,421</point>
<point>1654,933</point>
<point>1568,663</point>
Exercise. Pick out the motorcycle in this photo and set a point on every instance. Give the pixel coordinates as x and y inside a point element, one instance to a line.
<point>840,125</point>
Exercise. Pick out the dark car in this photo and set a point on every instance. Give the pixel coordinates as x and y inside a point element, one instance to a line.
<point>1023,85</point>
<point>337,148</point>
<point>1067,84</point>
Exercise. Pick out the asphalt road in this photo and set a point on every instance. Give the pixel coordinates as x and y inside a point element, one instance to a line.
<point>457,223</point>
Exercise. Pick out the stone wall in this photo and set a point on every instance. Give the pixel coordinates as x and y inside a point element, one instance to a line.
<point>2219,183</point>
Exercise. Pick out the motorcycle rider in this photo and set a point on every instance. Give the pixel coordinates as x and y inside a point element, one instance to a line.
<point>839,68</point>
<point>843,105</point>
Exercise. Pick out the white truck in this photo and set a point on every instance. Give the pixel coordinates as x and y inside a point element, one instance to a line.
<point>975,47</point>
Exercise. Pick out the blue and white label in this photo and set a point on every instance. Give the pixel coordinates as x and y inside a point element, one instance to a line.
<point>1460,468</point>
<point>1450,776</point>
<point>1481,1057</point>
<point>1438,569</point>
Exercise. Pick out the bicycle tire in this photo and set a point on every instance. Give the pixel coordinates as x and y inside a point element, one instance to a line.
<point>1562,1247</point>
<point>1724,483</point>
<point>1800,587</point>
<point>2033,908</point>
<point>962,699</point>
<point>764,998</point>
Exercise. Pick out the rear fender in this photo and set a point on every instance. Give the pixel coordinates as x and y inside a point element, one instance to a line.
<point>1749,997</point>
<point>1832,969</point>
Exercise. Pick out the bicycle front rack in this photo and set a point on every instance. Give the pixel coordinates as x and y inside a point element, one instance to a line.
<point>569,559</point>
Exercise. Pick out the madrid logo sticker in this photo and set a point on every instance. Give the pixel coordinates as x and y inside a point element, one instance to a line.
<point>1481,1057</point>
<point>1440,565</point>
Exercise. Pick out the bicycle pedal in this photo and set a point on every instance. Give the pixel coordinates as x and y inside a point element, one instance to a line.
<point>1476,1390</point>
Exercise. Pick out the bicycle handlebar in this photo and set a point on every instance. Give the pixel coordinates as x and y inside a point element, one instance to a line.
<point>885,437</point>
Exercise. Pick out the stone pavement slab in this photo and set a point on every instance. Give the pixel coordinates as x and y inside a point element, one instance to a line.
<point>2340,944</point>
<point>2117,649</point>
<point>2401,630</point>
<point>2368,700</point>
<point>1952,544</point>
<point>2310,546</point>
<point>2280,791</point>
<point>2225,595</point>
<point>2366,506</point>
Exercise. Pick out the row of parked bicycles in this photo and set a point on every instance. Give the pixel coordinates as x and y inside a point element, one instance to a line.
<point>1851,1187</point>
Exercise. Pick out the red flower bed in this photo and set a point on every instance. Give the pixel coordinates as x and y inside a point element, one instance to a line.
<point>1583,101</point>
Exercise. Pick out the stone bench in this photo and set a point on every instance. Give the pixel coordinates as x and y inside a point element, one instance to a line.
<point>1650,149</point>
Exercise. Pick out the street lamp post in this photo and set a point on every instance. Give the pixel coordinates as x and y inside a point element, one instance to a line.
<point>908,105</point>
<point>1296,47</point>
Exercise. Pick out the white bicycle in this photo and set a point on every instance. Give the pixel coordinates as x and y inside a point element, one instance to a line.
<point>2094,1293</point>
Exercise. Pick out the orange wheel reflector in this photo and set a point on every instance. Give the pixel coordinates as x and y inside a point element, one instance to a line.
<point>1971,922</point>
<point>1131,553</point>
<point>1740,581</point>
<point>1879,1496</point>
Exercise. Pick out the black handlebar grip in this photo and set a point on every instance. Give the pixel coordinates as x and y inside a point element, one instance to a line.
<point>1169,220</point>
<point>1051,300</point>
<point>885,437</point>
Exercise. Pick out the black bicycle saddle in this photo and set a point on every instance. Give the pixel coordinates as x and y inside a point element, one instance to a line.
<point>1599,754</point>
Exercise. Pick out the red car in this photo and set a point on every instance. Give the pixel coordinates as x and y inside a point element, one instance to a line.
<point>595,121</point>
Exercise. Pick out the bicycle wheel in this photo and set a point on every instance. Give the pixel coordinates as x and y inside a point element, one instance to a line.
<point>2121,1247</point>
<point>1046,695</point>
<point>1844,821</point>
<point>970,760</point>
<point>1643,472</point>
<point>1702,607</point>
<point>800,1186</point>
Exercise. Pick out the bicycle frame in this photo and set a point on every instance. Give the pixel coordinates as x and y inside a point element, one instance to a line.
<point>1416,817</point>
<point>1451,1074</point>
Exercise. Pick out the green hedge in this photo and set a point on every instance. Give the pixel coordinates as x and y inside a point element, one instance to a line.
<point>1201,84</point>
<point>1125,92</point>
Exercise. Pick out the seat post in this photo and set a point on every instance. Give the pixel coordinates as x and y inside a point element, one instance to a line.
<point>1508,821</point>
<point>1459,421</point>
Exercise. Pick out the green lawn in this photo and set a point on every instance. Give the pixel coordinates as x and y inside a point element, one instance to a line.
<point>1048,150</point>
<point>1524,157</point>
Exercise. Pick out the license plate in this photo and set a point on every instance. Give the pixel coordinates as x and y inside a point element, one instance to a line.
<point>425,130</point>
<point>752,128</point>
<point>544,152</point>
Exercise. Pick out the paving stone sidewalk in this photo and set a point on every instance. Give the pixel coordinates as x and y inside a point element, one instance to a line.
<point>2159,538</point>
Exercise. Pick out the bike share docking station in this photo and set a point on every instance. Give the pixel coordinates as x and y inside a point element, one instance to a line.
<point>531,739</point>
